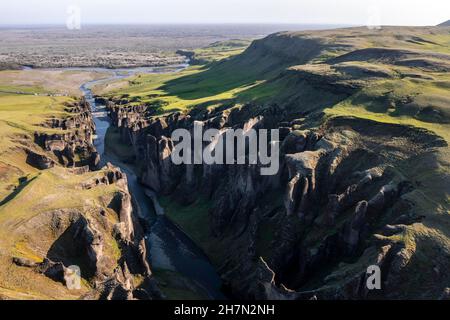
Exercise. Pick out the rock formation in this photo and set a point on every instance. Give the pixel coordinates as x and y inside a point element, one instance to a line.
<point>337,195</point>
<point>105,240</point>
<point>348,195</point>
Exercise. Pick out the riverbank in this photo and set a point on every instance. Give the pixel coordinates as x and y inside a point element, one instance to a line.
<point>173,283</point>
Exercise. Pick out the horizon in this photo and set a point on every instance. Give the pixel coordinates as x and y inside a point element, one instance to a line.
<point>278,26</point>
<point>176,12</point>
<point>314,26</point>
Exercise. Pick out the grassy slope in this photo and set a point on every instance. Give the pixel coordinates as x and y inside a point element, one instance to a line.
<point>211,85</point>
<point>26,192</point>
<point>254,74</point>
<point>23,114</point>
<point>218,51</point>
<point>49,190</point>
<point>152,89</point>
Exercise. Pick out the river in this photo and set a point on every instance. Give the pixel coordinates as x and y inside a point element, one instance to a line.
<point>169,247</point>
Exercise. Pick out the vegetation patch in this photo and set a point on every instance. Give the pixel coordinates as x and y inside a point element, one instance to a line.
<point>190,218</point>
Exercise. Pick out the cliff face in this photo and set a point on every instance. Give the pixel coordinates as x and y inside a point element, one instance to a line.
<point>335,199</point>
<point>348,192</point>
<point>85,217</point>
<point>74,145</point>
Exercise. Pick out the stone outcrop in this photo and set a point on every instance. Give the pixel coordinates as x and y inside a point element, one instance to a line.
<point>318,184</point>
<point>74,145</point>
<point>39,161</point>
<point>86,238</point>
<point>106,239</point>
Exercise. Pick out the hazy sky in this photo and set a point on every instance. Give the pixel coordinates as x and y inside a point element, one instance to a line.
<point>387,12</point>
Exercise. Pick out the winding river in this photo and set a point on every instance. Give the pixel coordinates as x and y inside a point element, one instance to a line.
<point>169,247</point>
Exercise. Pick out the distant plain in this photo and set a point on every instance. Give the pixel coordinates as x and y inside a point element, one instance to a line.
<point>115,46</point>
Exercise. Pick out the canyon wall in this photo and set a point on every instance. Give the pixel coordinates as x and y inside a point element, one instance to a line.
<point>99,232</point>
<point>361,183</point>
<point>329,213</point>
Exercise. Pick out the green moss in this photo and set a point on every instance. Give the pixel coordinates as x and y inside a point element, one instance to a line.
<point>114,144</point>
<point>175,286</point>
<point>266,234</point>
<point>192,219</point>
<point>180,294</point>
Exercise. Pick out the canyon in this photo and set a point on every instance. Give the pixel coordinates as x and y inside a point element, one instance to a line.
<point>105,239</point>
<point>364,176</point>
<point>351,190</point>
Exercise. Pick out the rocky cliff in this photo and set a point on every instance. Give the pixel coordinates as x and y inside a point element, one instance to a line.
<point>74,214</point>
<point>74,145</point>
<point>335,199</point>
<point>348,194</point>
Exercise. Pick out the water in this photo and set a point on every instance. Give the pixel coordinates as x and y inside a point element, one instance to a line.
<point>168,246</point>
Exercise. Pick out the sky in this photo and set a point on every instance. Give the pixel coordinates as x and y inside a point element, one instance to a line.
<point>352,12</point>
